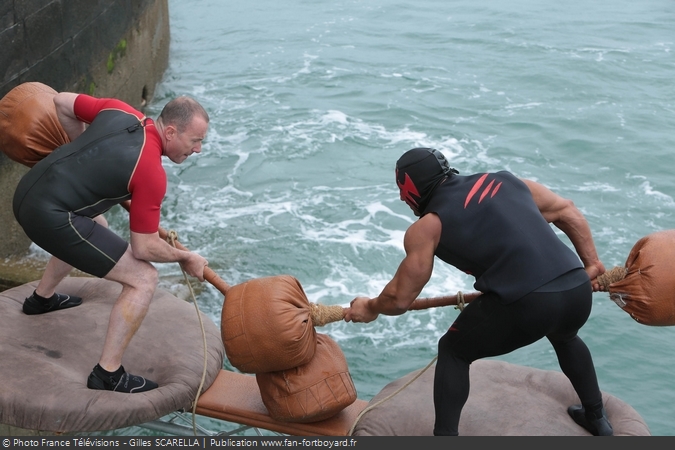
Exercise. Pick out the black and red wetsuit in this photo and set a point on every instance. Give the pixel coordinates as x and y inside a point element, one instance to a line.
<point>533,286</point>
<point>117,157</point>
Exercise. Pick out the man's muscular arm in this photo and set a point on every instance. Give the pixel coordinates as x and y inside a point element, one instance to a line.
<point>150,247</point>
<point>420,243</point>
<point>564,214</point>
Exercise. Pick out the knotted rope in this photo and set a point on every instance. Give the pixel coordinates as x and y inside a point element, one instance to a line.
<point>460,301</point>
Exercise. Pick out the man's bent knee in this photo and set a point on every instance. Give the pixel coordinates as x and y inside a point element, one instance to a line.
<point>148,278</point>
<point>135,273</point>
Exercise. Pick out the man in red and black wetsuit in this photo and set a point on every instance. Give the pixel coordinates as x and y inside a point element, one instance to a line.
<point>115,154</point>
<point>495,227</point>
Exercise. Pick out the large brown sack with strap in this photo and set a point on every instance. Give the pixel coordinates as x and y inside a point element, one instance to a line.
<point>647,292</point>
<point>312,392</point>
<point>29,127</point>
<point>266,325</point>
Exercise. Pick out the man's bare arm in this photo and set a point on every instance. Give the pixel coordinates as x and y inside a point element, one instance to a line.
<point>566,216</point>
<point>420,243</point>
<point>65,111</point>
<point>150,247</point>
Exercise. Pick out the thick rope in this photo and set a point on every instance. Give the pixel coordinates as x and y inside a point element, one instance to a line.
<point>172,238</point>
<point>612,276</point>
<point>325,314</point>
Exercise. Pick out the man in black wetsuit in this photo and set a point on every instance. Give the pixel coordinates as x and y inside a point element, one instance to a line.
<point>115,154</point>
<point>495,227</point>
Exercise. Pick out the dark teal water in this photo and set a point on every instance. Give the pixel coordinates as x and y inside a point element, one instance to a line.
<point>311,104</point>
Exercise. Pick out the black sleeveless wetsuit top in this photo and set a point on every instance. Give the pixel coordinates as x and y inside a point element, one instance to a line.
<point>493,230</point>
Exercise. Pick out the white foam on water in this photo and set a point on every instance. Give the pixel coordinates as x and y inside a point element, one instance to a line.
<point>308,120</point>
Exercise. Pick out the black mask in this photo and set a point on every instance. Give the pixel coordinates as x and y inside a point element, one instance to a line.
<point>418,172</point>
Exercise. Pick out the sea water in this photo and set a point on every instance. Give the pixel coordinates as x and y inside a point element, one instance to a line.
<point>312,102</point>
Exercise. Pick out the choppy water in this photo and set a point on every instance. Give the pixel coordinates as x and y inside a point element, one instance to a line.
<point>312,102</point>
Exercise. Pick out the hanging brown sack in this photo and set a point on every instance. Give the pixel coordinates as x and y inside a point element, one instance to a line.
<point>29,127</point>
<point>646,285</point>
<point>312,392</point>
<point>266,325</point>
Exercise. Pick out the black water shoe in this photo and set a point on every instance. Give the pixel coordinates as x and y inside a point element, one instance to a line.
<point>596,423</point>
<point>118,381</point>
<point>40,305</point>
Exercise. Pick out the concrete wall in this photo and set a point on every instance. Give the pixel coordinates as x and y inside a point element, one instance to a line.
<point>106,48</point>
<point>114,48</point>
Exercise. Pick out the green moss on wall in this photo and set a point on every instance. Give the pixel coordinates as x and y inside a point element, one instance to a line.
<point>118,52</point>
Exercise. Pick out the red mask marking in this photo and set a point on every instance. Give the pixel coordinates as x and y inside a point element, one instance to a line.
<point>407,188</point>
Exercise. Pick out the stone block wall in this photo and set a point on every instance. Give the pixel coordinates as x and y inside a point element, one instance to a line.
<point>117,48</point>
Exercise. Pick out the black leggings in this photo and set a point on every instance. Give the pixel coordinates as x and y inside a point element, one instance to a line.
<point>488,328</point>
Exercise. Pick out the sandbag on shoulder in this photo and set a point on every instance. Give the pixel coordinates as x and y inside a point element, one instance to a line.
<point>29,127</point>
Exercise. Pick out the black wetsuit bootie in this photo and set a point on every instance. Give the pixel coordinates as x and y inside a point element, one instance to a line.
<point>36,304</point>
<point>595,422</point>
<point>118,381</point>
